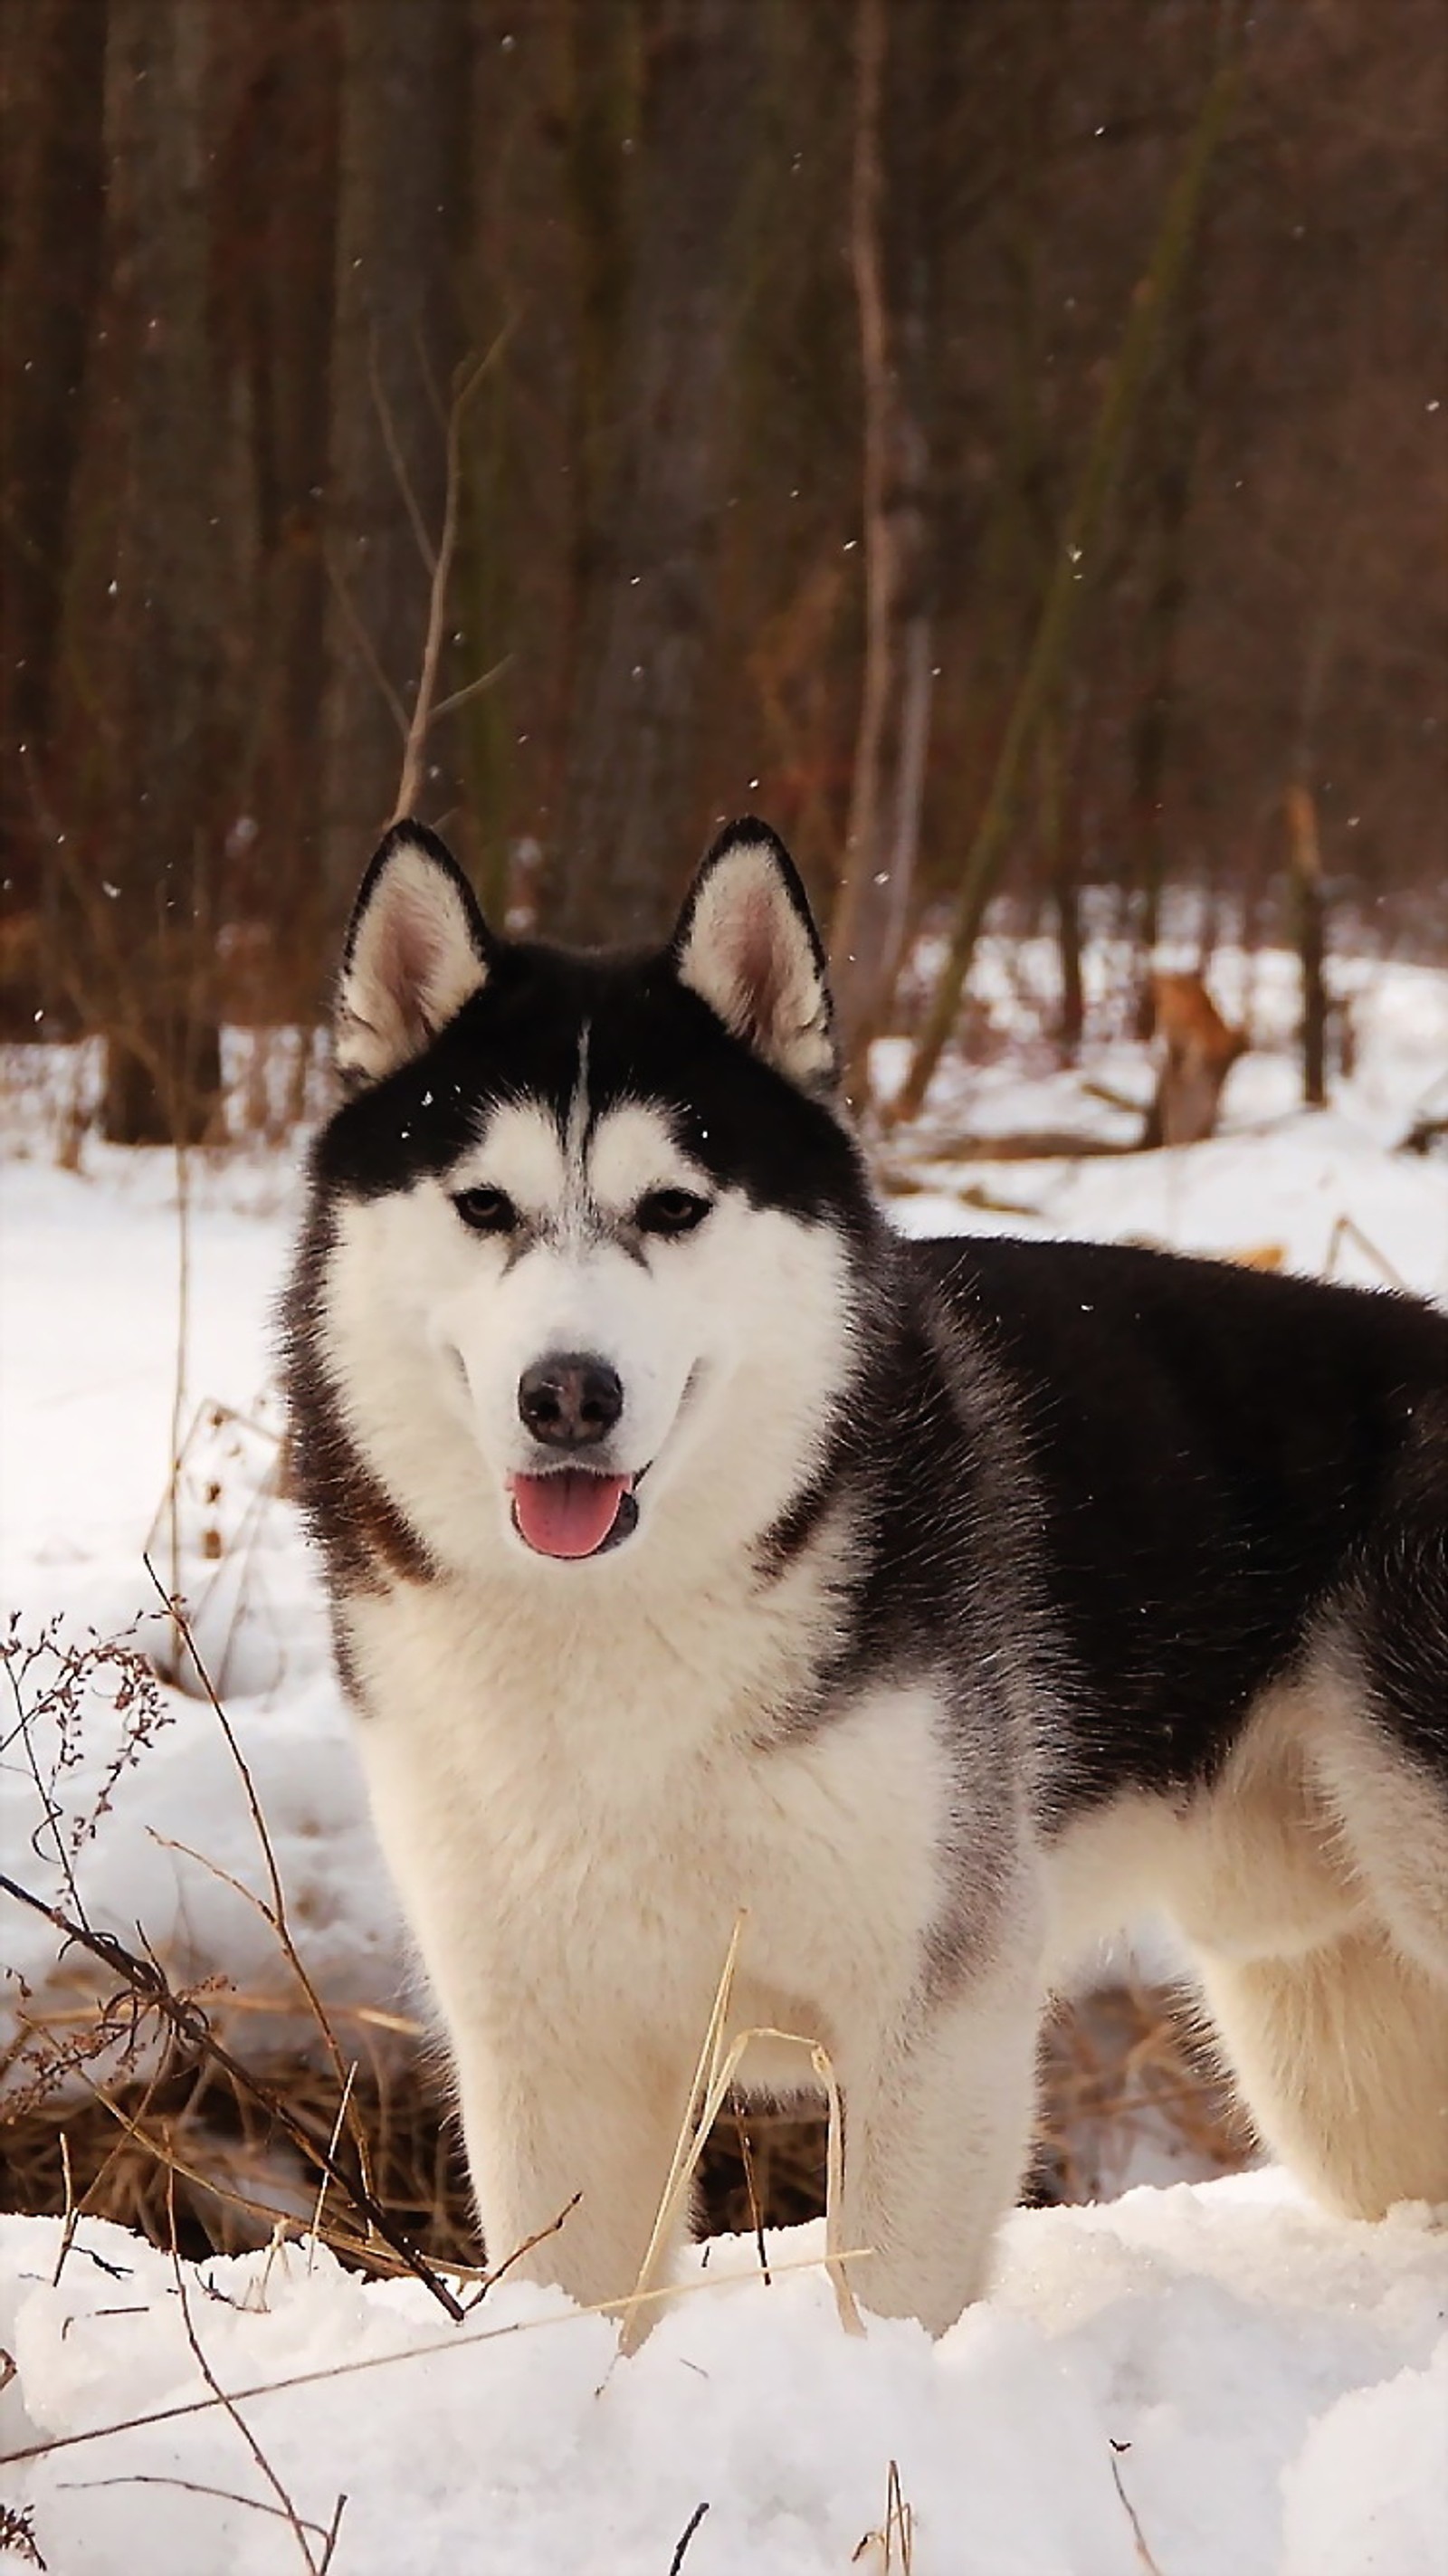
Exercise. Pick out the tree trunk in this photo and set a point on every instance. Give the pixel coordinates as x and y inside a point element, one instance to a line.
<point>394,349</point>
<point>150,928</point>
<point>1310,909</point>
<point>53,230</point>
<point>1085,532</point>
<point>278,184</point>
<point>628,815</point>
<point>873,911</point>
<point>1180,430</point>
<point>599,110</point>
<point>1060,831</point>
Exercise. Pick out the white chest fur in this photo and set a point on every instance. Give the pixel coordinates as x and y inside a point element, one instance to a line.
<point>576,1813</point>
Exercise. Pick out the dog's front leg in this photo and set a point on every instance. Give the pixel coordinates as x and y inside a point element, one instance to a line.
<point>937,2130</point>
<point>572,2150</point>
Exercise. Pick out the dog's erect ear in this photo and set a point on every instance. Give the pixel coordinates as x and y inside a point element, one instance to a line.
<point>747,945</point>
<point>417,949</point>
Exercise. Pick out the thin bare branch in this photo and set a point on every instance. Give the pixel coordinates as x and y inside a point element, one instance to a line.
<point>284,2502</point>
<point>364,643</point>
<point>397,460</point>
<point>328,2371</point>
<point>274,1915</point>
<point>185,2017</point>
<point>472,689</point>
<point>190,2486</point>
<point>1151,2565</point>
<point>425,711</point>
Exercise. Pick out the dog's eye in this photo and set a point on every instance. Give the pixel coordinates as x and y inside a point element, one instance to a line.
<point>670,1212</point>
<point>486,1211</point>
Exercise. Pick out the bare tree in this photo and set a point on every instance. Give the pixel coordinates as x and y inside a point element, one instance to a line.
<point>149,926</point>
<point>628,817</point>
<point>394,345</point>
<point>1085,531</point>
<point>887,792</point>
<point>54,57</point>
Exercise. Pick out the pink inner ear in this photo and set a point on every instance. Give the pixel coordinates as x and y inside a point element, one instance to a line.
<point>409,960</point>
<point>757,962</point>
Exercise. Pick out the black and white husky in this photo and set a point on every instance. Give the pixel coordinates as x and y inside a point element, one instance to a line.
<point>698,1546</point>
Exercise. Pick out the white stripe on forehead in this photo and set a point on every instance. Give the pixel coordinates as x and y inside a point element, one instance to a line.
<point>575,1133</point>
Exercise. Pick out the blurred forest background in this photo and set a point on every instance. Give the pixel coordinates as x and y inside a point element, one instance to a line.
<point>1001,441</point>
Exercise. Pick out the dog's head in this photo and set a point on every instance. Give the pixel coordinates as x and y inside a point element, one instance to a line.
<point>596,1222</point>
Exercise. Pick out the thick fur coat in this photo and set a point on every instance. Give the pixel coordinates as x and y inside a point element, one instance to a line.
<point>698,1547</point>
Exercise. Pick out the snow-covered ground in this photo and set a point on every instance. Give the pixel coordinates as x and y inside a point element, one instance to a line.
<point>1265,2389</point>
<point>1281,2380</point>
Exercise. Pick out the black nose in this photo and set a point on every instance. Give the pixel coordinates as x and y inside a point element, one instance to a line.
<point>570,1401</point>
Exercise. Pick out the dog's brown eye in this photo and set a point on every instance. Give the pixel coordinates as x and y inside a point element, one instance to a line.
<point>670,1212</point>
<point>486,1211</point>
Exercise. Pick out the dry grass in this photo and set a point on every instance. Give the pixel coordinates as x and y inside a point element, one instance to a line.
<point>1122,2082</point>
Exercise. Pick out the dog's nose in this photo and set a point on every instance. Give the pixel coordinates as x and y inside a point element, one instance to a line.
<point>570,1401</point>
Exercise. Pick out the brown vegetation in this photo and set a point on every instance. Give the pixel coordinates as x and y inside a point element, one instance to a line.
<point>1120,2081</point>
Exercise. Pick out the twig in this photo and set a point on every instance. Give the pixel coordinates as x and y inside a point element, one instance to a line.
<point>713,2077</point>
<point>471,689</point>
<point>178,1382</point>
<point>1346,1229</point>
<point>416,2352</point>
<point>898,2525</point>
<point>1151,2564</point>
<point>331,2150</point>
<point>71,2218</point>
<point>284,2502</point>
<point>364,643</point>
<point>756,2214</point>
<point>688,2143</point>
<point>147,1982</point>
<point>275,1915</point>
<point>165,2154</point>
<point>539,2236</point>
<point>188,2486</point>
<point>425,712</point>
<point>396,459</point>
<point>686,2535</point>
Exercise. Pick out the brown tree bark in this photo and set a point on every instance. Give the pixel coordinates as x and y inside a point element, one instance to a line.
<point>149,924</point>
<point>54,57</point>
<point>1309,907</point>
<point>394,349</point>
<point>887,791</point>
<point>1100,475</point>
<point>628,818</point>
<point>599,55</point>
<point>276,183</point>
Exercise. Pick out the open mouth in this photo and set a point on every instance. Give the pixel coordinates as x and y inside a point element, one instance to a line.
<point>573,1511</point>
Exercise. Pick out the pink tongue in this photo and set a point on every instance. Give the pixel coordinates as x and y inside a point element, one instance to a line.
<point>567,1514</point>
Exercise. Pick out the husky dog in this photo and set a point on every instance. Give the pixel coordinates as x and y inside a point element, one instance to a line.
<point>698,1546</point>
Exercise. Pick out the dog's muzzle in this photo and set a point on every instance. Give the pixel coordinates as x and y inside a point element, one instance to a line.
<point>568,1402</point>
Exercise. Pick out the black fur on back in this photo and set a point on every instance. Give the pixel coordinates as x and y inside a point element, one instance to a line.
<point>1220,1460</point>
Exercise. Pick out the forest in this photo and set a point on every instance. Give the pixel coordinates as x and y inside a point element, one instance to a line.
<point>1000,441</point>
<point>1003,446</point>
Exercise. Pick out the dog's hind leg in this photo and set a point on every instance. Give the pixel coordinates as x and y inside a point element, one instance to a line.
<point>1380,1747</point>
<point>1341,2055</point>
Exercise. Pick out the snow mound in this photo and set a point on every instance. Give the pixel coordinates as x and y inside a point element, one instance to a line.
<point>1264,2388</point>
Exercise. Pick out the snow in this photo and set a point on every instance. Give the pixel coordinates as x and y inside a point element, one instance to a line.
<point>1280,2378</point>
<point>1269,2385</point>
